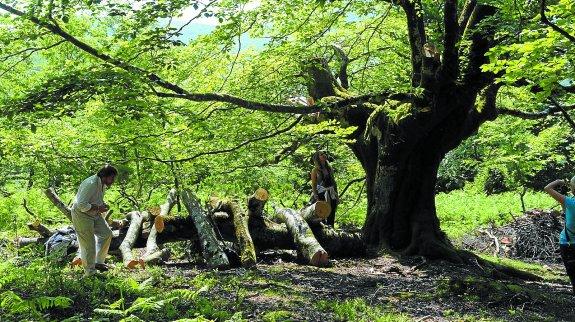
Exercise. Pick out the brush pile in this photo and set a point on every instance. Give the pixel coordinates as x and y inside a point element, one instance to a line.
<point>533,236</point>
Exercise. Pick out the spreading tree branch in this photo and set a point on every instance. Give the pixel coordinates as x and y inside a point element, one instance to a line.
<point>349,185</point>
<point>417,38</point>
<point>553,111</point>
<point>563,111</point>
<point>553,26</point>
<point>231,149</point>
<point>342,74</point>
<point>466,12</point>
<point>177,91</point>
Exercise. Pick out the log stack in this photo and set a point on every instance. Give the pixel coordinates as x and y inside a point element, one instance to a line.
<point>222,223</point>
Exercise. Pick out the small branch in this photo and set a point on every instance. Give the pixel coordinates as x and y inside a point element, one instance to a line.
<point>553,111</point>
<point>33,50</point>
<point>27,209</point>
<point>553,26</point>
<point>563,111</point>
<point>51,194</point>
<point>246,142</point>
<point>349,185</point>
<point>331,23</point>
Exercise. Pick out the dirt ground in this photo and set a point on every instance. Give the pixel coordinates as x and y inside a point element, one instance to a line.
<point>424,291</point>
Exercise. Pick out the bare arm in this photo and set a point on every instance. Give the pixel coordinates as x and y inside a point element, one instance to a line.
<point>550,189</point>
<point>314,183</point>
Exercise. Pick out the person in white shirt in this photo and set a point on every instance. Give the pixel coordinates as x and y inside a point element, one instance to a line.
<point>94,234</point>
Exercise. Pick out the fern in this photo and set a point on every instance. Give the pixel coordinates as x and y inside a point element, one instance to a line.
<point>14,304</point>
<point>190,295</point>
<point>143,305</point>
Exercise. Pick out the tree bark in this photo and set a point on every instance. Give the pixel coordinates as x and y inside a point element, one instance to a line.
<point>256,203</point>
<point>51,194</point>
<point>165,210</point>
<point>212,250</point>
<point>316,212</point>
<point>41,229</point>
<point>244,240</point>
<point>130,238</point>
<point>153,254</point>
<point>303,237</point>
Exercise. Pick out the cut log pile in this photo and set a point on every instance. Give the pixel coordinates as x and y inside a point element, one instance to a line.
<point>533,236</point>
<point>226,232</point>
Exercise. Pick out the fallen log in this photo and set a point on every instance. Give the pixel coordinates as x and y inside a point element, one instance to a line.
<point>130,238</point>
<point>154,254</point>
<point>212,250</point>
<point>307,244</point>
<point>41,229</point>
<point>51,194</point>
<point>239,218</point>
<point>24,241</point>
<point>316,212</point>
<point>265,234</point>
<point>256,203</point>
<point>165,209</point>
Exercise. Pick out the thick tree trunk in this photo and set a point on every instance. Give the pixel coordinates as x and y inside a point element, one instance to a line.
<point>303,237</point>
<point>212,250</point>
<point>401,185</point>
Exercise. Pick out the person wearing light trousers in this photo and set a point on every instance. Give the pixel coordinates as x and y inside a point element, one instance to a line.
<point>94,234</point>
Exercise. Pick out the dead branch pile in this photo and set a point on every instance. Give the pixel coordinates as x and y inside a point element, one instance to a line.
<point>533,236</point>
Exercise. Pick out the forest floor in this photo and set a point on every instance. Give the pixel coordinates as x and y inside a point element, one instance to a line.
<point>385,289</point>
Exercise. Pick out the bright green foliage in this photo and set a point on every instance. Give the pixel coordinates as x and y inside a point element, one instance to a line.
<point>14,305</point>
<point>39,287</point>
<point>540,54</point>
<point>462,211</point>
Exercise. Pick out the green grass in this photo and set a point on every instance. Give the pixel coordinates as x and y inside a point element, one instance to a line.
<point>462,211</point>
<point>358,310</point>
<point>536,269</point>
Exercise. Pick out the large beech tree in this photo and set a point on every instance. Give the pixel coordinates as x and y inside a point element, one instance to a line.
<point>399,136</point>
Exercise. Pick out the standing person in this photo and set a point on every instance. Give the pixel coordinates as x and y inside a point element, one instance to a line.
<point>94,234</point>
<point>567,236</point>
<point>323,184</point>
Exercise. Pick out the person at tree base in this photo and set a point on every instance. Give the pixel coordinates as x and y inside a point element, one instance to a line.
<point>323,184</point>
<point>94,234</point>
<point>567,236</point>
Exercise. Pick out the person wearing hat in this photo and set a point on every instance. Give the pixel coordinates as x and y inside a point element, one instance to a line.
<point>94,234</point>
<point>323,184</point>
<point>567,236</point>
